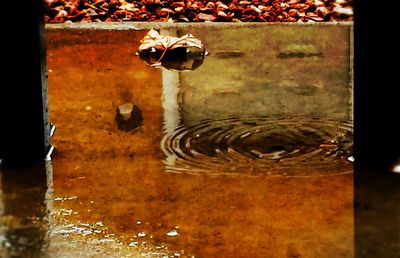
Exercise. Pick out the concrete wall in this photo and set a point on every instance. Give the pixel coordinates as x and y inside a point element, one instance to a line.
<point>278,70</point>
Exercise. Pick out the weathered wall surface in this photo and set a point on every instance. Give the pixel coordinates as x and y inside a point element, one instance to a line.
<point>279,70</point>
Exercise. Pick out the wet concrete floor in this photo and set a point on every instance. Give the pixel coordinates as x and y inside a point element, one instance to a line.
<point>245,156</point>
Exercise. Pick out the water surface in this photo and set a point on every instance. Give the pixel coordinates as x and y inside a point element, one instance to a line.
<point>244,156</point>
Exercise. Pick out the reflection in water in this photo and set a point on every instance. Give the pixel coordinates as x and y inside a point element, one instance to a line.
<point>112,196</point>
<point>157,48</point>
<point>23,219</point>
<point>186,54</point>
<point>294,146</point>
<point>128,117</point>
<point>179,59</point>
<point>242,114</point>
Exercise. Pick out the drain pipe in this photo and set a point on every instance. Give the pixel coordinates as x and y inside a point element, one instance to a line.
<point>24,113</point>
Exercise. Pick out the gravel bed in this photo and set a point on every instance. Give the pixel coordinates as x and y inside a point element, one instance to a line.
<point>61,11</point>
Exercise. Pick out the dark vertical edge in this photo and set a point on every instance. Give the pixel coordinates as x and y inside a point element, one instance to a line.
<point>357,67</point>
<point>351,75</point>
<point>376,131</point>
<point>43,79</point>
<point>376,84</point>
<point>24,115</point>
<point>43,76</point>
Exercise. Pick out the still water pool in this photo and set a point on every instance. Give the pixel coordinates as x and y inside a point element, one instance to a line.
<point>243,155</point>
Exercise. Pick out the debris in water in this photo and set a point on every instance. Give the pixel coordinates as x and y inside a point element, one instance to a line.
<point>181,61</point>
<point>173,233</point>
<point>66,212</point>
<point>125,111</point>
<point>133,244</point>
<point>141,234</point>
<point>158,46</point>
<point>62,199</point>
<point>128,117</point>
<point>86,232</point>
<point>105,240</point>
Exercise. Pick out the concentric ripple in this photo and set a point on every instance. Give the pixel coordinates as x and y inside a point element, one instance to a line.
<point>295,146</point>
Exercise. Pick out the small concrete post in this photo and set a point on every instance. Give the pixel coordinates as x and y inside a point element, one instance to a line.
<point>24,113</point>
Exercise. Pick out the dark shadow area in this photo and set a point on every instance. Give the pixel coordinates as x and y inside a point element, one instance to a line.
<point>24,120</point>
<point>377,213</point>
<point>130,121</point>
<point>377,136</point>
<point>176,59</point>
<point>22,220</point>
